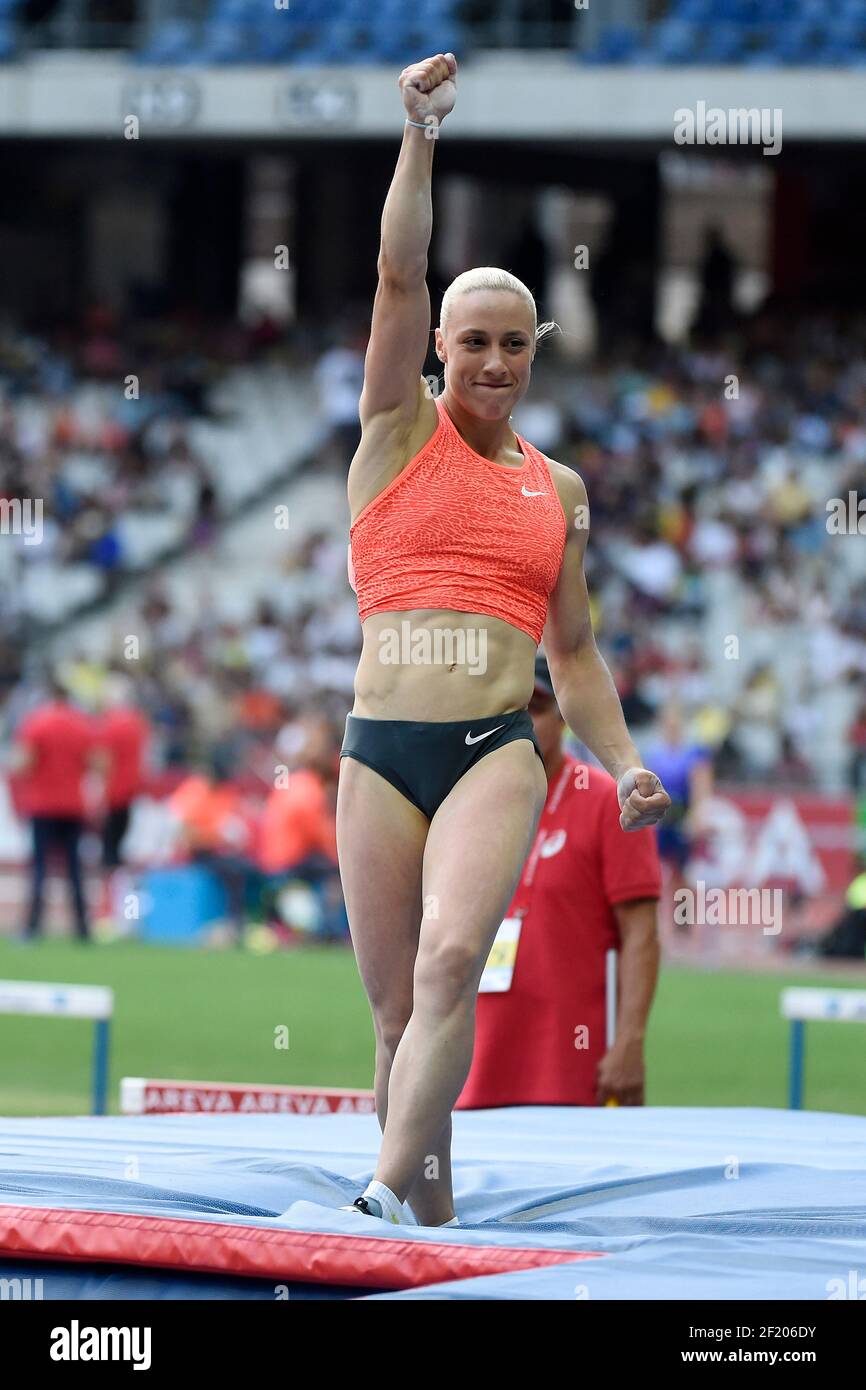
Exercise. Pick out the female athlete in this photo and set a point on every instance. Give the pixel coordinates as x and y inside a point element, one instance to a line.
<point>467,546</point>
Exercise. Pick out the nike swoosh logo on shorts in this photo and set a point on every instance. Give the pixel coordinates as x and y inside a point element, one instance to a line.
<point>531,494</point>
<point>479,737</point>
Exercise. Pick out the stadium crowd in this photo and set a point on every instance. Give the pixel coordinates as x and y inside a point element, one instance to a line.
<point>718,462</point>
<point>709,468</point>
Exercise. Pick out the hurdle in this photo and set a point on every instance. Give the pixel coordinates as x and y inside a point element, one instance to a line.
<point>45,1000</point>
<point>804,1005</point>
<point>143,1096</point>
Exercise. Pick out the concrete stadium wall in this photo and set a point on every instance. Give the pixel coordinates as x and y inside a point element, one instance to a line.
<point>503,96</point>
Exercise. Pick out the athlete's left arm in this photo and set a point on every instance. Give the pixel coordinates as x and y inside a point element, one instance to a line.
<point>584,687</point>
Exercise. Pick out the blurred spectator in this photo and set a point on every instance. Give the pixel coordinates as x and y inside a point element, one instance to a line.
<point>207,514</point>
<point>857,742</point>
<point>791,769</point>
<point>217,832</point>
<point>298,829</point>
<point>717,284</point>
<point>339,378</point>
<point>847,937</point>
<point>756,728</point>
<point>686,772</point>
<point>652,565</point>
<point>298,823</point>
<point>123,733</point>
<point>54,749</point>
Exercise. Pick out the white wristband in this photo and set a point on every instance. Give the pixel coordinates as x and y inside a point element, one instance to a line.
<point>425,125</point>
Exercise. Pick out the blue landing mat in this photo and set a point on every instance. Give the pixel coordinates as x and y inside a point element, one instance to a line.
<point>680,1203</point>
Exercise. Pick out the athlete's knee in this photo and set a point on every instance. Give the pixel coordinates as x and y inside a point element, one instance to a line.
<point>446,974</point>
<point>389,1028</point>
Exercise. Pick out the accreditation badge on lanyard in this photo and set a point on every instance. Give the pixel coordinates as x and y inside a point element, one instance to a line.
<point>499,971</point>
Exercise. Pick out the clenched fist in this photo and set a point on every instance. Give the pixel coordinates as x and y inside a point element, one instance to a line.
<point>642,799</point>
<point>429,88</point>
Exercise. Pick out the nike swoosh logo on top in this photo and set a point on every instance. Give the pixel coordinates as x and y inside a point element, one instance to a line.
<point>479,737</point>
<point>526,493</point>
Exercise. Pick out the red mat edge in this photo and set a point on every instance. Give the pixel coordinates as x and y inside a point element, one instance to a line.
<point>216,1247</point>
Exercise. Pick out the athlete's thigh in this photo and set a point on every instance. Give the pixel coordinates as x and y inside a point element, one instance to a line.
<point>477,845</point>
<point>380,844</point>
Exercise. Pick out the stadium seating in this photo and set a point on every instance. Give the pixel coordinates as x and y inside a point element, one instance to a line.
<point>769,33</point>
<point>171,43</point>
<point>661,639</point>
<point>156,514</point>
<point>780,32</point>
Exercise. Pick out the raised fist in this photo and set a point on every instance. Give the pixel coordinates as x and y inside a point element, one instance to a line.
<point>642,799</point>
<point>429,89</point>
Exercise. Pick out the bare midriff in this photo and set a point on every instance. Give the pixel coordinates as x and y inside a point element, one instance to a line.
<point>449,665</point>
<point>439,666</point>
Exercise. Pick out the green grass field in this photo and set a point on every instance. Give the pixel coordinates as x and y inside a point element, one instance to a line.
<point>715,1038</point>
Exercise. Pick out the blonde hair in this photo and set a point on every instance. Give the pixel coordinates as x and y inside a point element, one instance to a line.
<point>490,277</point>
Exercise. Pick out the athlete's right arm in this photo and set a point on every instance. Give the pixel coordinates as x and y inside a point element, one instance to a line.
<point>393,392</point>
<point>399,335</point>
<point>393,386</point>
<point>400,329</point>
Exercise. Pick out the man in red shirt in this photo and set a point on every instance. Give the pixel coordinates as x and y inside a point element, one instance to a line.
<point>123,734</point>
<point>54,748</point>
<point>586,888</point>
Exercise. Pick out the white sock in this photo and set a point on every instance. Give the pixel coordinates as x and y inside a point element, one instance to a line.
<point>452,1222</point>
<point>392,1209</point>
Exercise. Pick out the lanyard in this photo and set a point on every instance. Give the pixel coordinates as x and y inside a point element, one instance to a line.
<point>552,805</point>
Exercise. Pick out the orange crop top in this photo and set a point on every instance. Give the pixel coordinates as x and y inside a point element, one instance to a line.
<point>455,530</point>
